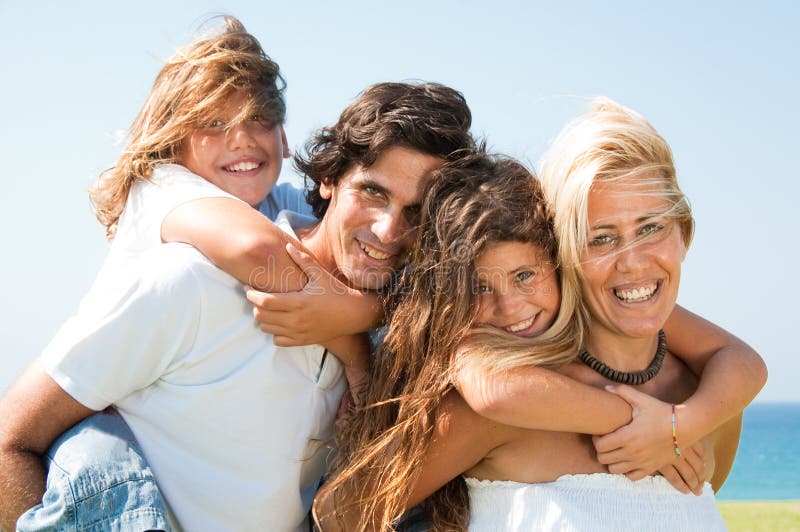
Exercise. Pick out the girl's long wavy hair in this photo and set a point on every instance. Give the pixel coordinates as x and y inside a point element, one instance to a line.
<point>188,94</point>
<point>473,201</point>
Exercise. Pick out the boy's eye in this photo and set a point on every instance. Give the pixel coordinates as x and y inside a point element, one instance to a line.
<point>262,120</point>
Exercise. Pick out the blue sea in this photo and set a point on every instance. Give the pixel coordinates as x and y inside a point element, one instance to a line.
<point>767,467</point>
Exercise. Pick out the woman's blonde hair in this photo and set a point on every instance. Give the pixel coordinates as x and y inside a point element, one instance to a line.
<point>474,201</point>
<point>188,94</point>
<point>609,143</point>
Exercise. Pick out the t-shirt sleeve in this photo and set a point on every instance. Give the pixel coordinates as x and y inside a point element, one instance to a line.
<point>129,330</point>
<point>285,197</point>
<point>149,202</point>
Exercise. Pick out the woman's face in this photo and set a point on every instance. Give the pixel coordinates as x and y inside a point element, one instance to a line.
<point>632,265</point>
<point>518,288</point>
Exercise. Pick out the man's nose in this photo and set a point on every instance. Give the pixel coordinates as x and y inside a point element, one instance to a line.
<point>391,227</point>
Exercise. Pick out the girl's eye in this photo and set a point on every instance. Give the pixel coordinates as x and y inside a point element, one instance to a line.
<point>523,275</point>
<point>216,123</point>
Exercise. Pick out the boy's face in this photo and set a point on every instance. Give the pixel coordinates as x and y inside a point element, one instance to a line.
<point>244,160</point>
<point>371,220</point>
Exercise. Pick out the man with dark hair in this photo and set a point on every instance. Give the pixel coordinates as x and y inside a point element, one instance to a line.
<point>424,117</point>
<point>369,171</point>
<point>372,165</point>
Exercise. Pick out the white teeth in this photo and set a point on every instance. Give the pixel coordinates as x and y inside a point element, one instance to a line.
<point>521,325</point>
<point>637,294</point>
<point>374,253</point>
<point>242,167</point>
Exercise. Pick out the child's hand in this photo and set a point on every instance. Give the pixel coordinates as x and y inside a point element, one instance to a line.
<point>645,444</point>
<point>324,309</point>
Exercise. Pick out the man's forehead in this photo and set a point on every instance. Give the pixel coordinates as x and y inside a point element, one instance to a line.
<point>395,186</point>
<point>400,172</point>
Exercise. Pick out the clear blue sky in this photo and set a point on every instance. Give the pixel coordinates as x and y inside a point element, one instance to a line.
<point>720,82</point>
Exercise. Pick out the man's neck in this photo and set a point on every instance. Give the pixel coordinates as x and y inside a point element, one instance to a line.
<point>313,237</point>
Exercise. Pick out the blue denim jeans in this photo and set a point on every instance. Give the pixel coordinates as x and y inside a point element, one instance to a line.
<point>98,480</point>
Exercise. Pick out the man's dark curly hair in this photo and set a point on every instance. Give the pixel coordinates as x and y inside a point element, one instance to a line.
<point>428,117</point>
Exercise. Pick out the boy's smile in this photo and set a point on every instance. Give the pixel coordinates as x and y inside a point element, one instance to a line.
<point>244,160</point>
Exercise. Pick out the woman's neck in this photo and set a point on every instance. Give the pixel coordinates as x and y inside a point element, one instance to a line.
<point>622,353</point>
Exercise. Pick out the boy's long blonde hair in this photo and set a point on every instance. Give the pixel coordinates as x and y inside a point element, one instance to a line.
<point>476,200</point>
<point>188,94</point>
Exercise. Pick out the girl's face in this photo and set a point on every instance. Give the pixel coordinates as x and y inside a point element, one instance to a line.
<point>632,266</point>
<point>518,288</point>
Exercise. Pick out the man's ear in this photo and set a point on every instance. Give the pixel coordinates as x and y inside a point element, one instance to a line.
<point>326,189</point>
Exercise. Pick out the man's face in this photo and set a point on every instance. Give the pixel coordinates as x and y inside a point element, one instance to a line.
<point>371,220</point>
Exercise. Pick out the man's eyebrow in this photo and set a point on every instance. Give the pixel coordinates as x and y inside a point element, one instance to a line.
<point>366,181</point>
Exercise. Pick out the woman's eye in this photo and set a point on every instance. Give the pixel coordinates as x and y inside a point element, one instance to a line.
<point>216,123</point>
<point>523,275</point>
<point>484,289</point>
<point>601,240</point>
<point>649,229</point>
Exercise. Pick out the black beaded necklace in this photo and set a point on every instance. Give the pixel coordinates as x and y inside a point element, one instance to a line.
<point>633,378</point>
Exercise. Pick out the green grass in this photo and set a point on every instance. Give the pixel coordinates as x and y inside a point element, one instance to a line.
<point>783,516</point>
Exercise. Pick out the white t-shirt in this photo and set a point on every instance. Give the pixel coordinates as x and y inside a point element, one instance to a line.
<point>150,201</point>
<point>233,427</point>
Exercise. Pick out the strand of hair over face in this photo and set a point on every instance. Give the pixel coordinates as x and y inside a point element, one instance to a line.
<point>609,143</point>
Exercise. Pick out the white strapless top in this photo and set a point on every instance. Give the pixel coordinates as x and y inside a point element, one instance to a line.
<point>595,502</point>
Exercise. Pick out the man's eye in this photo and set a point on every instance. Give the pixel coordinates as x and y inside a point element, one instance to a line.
<point>412,215</point>
<point>372,191</point>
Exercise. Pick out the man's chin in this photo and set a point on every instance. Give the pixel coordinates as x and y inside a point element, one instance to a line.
<point>370,281</point>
